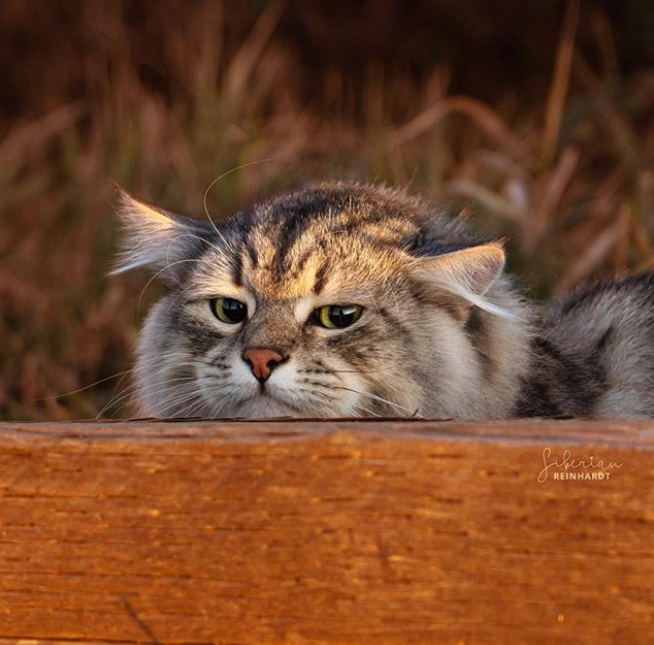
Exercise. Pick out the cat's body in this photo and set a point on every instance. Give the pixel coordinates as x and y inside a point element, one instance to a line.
<point>593,353</point>
<point>349,300</point>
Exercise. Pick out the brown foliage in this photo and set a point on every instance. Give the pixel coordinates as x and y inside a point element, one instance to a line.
<point>538,116</point>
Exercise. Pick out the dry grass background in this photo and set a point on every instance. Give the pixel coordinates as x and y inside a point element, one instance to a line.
<point>536,118</point>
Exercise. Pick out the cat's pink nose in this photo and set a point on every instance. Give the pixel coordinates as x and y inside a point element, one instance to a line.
<point>262,362</point>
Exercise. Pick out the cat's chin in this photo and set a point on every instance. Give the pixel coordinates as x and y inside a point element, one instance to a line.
<point>265,407</point>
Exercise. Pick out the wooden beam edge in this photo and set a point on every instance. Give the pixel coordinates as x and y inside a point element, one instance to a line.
<point>537,432</point>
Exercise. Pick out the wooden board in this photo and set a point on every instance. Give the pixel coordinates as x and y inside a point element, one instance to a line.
<point>326,532</point>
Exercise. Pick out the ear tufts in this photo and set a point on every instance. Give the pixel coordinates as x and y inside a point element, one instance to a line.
<point>468,273</point>
<point>155,238</point>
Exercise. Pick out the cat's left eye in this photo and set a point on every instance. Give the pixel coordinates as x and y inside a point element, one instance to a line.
<point>228,310</point>
<point>336,316</point>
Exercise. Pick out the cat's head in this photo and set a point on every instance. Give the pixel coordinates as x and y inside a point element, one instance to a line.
<point>336,300</point>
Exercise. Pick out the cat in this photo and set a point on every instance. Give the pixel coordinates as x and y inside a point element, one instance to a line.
<point>349,300</point>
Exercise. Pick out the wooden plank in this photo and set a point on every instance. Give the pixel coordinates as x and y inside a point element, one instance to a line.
<point>325,532</point>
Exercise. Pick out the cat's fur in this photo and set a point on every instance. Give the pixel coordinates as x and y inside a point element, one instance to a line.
<point>443,333</point>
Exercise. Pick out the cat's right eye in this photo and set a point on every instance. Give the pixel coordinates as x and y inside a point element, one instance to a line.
<point>336,316</point>
<point>228,310</point>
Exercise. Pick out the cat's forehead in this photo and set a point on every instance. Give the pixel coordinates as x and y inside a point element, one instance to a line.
<point>292,248</point>
<point>279,270</point>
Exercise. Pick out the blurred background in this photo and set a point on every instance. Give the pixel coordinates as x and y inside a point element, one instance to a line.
<point>535,118</point>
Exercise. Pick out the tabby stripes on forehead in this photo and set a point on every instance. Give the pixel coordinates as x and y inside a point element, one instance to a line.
<point>252,253</point>
<point>320,279</point>
<point>237,269</point>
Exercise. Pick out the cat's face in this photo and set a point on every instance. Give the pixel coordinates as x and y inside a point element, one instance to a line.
<point>335,301</point>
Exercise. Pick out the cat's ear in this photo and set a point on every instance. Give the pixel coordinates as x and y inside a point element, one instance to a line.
<point>156,239</point>
<point>468,273</point>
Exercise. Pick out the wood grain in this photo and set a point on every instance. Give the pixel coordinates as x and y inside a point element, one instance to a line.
<point>324,532</point>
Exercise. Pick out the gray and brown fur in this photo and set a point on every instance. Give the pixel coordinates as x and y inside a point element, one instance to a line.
<point>444,333</point>
<point>594,353</point>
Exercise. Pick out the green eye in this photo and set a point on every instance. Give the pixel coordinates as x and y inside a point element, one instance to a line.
<point>336,316</point>
<point>228,310</point>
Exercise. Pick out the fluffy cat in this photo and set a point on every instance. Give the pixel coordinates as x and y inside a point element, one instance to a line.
<point>346,300</point>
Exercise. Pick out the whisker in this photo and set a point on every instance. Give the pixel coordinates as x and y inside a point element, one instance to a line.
<point>381,369</point>
<point>158,273</point>
<point>178,408</point>
<point>181,294</point>
<point>180,395</point>
<point>86,387</point>
<point>413,413</point>
<point>181,399</point>
<point>122,376</point>
<point>216,180</point>
<point>169,264</point>
<point>129,391</point>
